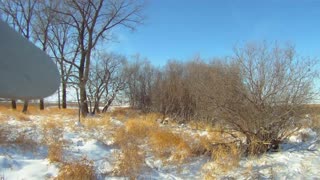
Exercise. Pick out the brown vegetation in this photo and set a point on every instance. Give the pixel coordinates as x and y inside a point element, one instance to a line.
<point>78,170</point>
<point>53,138</point>
<point>131,161</point>
<point>169,147</point>
<point>260,92</point>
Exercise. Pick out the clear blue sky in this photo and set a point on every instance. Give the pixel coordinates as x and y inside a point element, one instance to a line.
<point>181,29</point>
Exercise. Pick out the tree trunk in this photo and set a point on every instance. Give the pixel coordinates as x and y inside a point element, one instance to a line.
<point>90,106</point>
<point>59,100</point>
<point>25,106</point>
<point>96,108</point>
<point>64,95</point>
<point>106,107</point>
<point>41,104</point>
<point>83,101</point>
<point>13,104</point>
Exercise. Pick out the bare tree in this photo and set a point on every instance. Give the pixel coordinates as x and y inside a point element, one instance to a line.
<point>20,15</point>
<point>65,51</point>
<point>44,17</point>
<point>277,84</point>
<point>95,86</point>
<point>115,78</point>
<point>260,93</point>
<point>93,21</point>
<point>132,70</point>
<point>140,75</point>
<point>171,92</point>
<point>106,80</point>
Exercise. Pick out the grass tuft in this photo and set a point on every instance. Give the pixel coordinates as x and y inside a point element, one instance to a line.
<point>53,138</point>
<point>169,147</point>
<point>131,161</point>
<point>79,170</point>
<point>123,114</point>
<point>93,122</point>
<point>135,131</point>
<point>227,156</point>
<point>55,152</point>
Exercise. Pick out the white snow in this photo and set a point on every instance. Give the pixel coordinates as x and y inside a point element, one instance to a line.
<point>26,168</point>
<point>299,157</point>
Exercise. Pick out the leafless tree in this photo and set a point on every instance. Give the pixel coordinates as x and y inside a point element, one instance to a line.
<point>44,17</point>
<point>132,71</point>
<point>106,80</point>
<point>277,84</point>
<point>260,93</point>
<point>20,15</point>
<point>93,21</point>
<point>65,51</point>
<point>140,75</point>
<point>171,92</point>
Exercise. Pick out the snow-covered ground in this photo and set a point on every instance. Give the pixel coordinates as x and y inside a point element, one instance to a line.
<point>23,155</point>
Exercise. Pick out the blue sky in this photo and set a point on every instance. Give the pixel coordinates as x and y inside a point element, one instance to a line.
<point>177,29</point>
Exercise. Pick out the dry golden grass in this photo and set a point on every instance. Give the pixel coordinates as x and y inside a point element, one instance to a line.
<point>227,156</point>
<point>22,117</point>
<point>100,122</point>
<point>140,128</point>
<point>123,114</point>
<point>131,161</point>
<point>79,170</point>
<point>169,146</point>
<point>52,129</point>
<point>55,152</point>
<point>135,131</point>
<point>34,109</point>
<point>53,138</point>
<point>208,175</point>
<point>31,107</point>
<point>18,115</point>
<point>64,112</point>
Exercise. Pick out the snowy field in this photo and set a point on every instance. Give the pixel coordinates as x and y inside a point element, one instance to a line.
<point>53,145</point>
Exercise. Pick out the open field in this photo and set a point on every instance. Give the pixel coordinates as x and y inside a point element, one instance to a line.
<point>125,143</point>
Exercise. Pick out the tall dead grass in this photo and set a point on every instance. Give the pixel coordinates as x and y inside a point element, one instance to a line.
<point>55,152</point>
<point>78,170</point>
<point>131,161</point>
<point>34,109</point>
<point>53,138</point>
<point>97,122</point>
<point>17,115</point>
<point>123,114</point>
<point>64,112</point>
<point>129,137</point>
<point>227,156</point>
<point>135,131</point>
<point>169,147</point>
